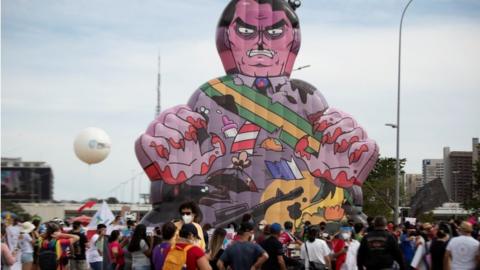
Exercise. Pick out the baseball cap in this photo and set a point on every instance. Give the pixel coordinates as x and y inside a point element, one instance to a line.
<point>189,229</point>
<point>275,228</point>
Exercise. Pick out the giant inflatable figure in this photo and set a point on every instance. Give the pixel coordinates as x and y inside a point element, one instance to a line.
<point>255,141</point>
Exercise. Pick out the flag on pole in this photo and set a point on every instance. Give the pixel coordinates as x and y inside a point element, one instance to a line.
<point>88,204</point>
<point>103,216</point>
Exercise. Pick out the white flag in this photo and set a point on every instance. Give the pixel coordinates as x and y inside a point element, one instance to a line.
<point>103,216</point>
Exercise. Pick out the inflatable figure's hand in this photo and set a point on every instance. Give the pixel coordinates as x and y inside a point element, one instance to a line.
<point>170,150</point>
<point>346,155</point>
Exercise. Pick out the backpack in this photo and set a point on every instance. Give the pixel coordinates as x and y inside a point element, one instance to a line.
<point>176,258</point>
<point>47,260</point>
<point>47,257</point>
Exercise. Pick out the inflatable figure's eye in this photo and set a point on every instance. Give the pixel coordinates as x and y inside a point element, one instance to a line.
<point>245,31</point>
<point>275,32</point>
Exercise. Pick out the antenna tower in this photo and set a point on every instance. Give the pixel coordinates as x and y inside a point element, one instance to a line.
<point>159,80</point>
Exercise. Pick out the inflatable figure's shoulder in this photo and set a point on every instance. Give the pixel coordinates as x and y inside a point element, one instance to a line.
<point>308,94</point>
<point>210,88</point>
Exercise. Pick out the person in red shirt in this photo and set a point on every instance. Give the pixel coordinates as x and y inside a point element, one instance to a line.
<point>196,258</point>
<point>115,251</point>
<point>287,237</point>
<point>340,247</point>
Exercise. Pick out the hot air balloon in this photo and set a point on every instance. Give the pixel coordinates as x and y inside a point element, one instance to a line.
<point>92,145</point>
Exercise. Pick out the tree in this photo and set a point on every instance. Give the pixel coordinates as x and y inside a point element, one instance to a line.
<point>15,208</point>
<point>379,189</point>
<point>112,200</point>
<point>474,202</point>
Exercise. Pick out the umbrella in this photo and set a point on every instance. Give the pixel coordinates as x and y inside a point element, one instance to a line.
<point>85,220</point>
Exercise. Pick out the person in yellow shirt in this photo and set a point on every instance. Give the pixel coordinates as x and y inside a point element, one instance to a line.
<point>190,213</point>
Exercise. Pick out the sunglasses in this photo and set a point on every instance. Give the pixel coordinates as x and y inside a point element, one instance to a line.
<point>186,213</point>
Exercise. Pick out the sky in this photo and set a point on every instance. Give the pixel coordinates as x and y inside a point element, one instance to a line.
<point>69,65</point>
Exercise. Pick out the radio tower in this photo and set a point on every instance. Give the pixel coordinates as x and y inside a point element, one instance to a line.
<point>159,80</point>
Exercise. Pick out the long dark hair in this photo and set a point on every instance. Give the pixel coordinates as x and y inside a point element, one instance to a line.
<point>113,236</point>
<point>139,234</point>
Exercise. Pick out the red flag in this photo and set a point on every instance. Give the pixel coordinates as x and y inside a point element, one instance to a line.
<point>88,204</point>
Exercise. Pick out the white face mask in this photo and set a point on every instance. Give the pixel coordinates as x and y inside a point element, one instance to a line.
<point>346,236</point>
<point>187,219</point>
<point>261,227</point>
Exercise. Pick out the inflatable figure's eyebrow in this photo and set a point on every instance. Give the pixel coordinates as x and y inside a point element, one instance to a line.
<point>241,23</point>
<point>277,24</point>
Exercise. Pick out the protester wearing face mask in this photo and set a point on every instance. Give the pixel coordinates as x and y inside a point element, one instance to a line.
<point>340,246</point>
<point>351,246</point>
<point>243,254</point>
<point>190,214</point>
<point>261,233</point>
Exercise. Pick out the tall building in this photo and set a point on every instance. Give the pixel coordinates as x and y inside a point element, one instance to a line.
<point>26,181</point>
<point>413,182</point>
<point>475,159</point>
<point>475,150</point>
<point>432,169</point>
<point>458,172</point>
<point>461,175</point>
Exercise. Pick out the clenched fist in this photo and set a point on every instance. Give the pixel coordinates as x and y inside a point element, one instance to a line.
<point>170,149</point>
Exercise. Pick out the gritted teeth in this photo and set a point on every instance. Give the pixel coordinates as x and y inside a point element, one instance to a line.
<point>267,53</point>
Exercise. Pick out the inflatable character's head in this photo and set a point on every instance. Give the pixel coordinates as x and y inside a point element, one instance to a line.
<point>259,38</point>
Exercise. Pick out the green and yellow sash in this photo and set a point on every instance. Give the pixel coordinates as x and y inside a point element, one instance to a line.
<point>260,109</point>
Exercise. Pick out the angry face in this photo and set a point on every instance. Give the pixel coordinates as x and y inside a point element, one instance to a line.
<point>258,38</point>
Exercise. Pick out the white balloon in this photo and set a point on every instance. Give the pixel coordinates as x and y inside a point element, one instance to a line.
<point>92,145</point>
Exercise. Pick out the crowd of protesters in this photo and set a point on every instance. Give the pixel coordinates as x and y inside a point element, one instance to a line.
<point>185,244</point>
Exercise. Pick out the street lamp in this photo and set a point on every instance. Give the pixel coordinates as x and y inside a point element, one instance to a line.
<point>397,125</point>
<point>301,67</point>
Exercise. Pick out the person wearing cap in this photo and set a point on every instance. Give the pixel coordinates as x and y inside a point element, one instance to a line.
<point>274,249</point>
<point>407,242</point>
<point>26,242</point>
<point>463,250</point>
<point>196,258</point>
<point>190,214</point>
<point>243,254</point>
<point>379,248</point>
<point>340,246</point>
<point>350,246</point>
